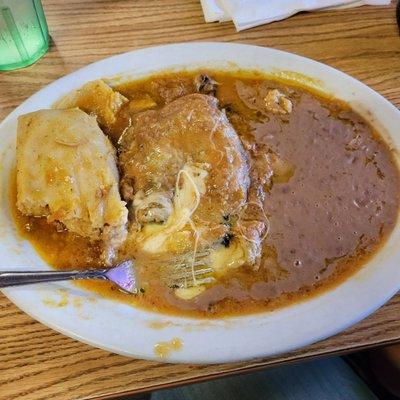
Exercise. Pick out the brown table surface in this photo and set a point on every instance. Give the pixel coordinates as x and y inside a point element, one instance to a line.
<point>38,363</point>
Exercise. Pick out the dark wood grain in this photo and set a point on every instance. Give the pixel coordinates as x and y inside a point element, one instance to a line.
<point>37,363</point>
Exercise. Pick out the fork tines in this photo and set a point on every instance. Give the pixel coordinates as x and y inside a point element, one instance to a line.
<point>189,272</point>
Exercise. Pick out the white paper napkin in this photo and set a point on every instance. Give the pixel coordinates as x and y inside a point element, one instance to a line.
<point>246,14</point>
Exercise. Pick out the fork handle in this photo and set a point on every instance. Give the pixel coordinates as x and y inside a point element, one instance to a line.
<point>19,278</point>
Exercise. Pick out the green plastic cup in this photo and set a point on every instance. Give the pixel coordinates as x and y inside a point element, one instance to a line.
<point>24,36</point>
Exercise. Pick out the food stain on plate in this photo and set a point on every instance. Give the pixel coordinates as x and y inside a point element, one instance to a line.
<point>80,303</point>
<point>164,349</point>
<point>155,324</point>
<point>203,325</point>
<point>17,248</point>
<point>188,327</point>
<point>60,299</point>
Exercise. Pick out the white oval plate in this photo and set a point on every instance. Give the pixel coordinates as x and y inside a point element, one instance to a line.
<point>125,330</point>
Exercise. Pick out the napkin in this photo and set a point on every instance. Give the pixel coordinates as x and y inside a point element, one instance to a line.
<point>246,14</point>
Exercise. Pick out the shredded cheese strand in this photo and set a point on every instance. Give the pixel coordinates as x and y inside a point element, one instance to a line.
<point>185,202</point>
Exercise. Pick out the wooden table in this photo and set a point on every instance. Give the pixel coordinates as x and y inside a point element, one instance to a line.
<point>38,363</point>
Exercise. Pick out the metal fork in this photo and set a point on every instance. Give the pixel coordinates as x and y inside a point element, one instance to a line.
<point>185,272</point>
<point>188,270</point>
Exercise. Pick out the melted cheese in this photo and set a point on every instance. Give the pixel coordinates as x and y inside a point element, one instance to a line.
<point>189,293</point>
<point>222,260</point>
<point>177,233</point>
<point>225,258</point>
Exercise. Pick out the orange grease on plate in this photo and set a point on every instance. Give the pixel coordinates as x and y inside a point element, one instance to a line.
<point>77,302</point>
<point>55,303</point>
<point>159,324</point>
<point>164,349</point>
